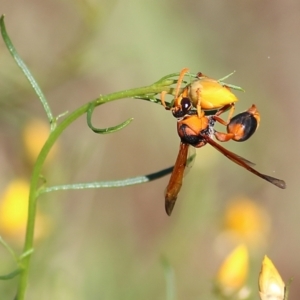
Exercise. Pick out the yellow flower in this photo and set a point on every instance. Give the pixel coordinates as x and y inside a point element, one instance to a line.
<point>233,272</point>
<point>271,286</point>
<point>14,211</point>
<point>35,134</point>
<point>246,220</point>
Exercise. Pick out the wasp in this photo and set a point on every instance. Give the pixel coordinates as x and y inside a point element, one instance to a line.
<point>196,129</point>
<point>197,132</point>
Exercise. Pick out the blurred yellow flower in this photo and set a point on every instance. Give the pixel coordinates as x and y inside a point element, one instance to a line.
<point>35,134</point>
<point>246,221</point>
<point>271,286</point>
<point>14,211</point>
<point>233,272</point>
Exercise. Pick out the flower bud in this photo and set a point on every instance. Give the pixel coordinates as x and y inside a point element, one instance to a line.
<point>271,286</point>
<point>233,272</point>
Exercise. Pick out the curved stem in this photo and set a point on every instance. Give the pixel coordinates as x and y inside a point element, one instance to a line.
<point>35,178</point>
<point>107,129</point>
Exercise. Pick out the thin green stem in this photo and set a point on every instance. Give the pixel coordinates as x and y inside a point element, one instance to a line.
<point>112,183</point>
<point>11,275</point>
<point>287,289</point>
<point>108,184</point>
<point>9,249</point>
<point>26,71</point>
<point>170,280</point>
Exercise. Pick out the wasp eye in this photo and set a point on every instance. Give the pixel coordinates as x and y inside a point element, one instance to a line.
<point>183,108</point>
<point>185,104</point>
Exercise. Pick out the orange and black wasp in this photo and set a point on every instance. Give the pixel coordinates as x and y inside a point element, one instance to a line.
<point>197,129</point>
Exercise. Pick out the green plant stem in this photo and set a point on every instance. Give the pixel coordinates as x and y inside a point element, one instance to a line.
<point>107,184</point>
<point>170,279</point>
<point>112,183</point>
<point>9,249</point>
<point>35,178</point>
<point>26,71</point>
<point>11,275</point>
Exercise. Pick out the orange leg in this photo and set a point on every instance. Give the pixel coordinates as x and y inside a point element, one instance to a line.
<point>229,107</point>
<point>199,110</point>
<point>221,136</point>
<point>224,137</point>
<point>162,99</point>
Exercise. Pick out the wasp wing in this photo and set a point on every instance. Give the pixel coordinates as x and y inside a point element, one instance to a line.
<point>175,181</point>
<point>244,163</point>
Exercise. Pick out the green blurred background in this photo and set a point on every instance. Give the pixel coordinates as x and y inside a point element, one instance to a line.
<point>108,244</point>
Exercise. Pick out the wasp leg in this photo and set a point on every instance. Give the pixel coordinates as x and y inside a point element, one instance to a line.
<point>224,137</point>
<point>162,99</point>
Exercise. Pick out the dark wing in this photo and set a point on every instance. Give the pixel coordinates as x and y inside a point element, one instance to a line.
<point>244,163</point>
<point>175,181</point>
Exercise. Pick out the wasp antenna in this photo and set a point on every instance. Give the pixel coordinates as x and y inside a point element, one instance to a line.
<point>180,79</point>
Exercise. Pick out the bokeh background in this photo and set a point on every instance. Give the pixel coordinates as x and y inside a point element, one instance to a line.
<point>110,243</point>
